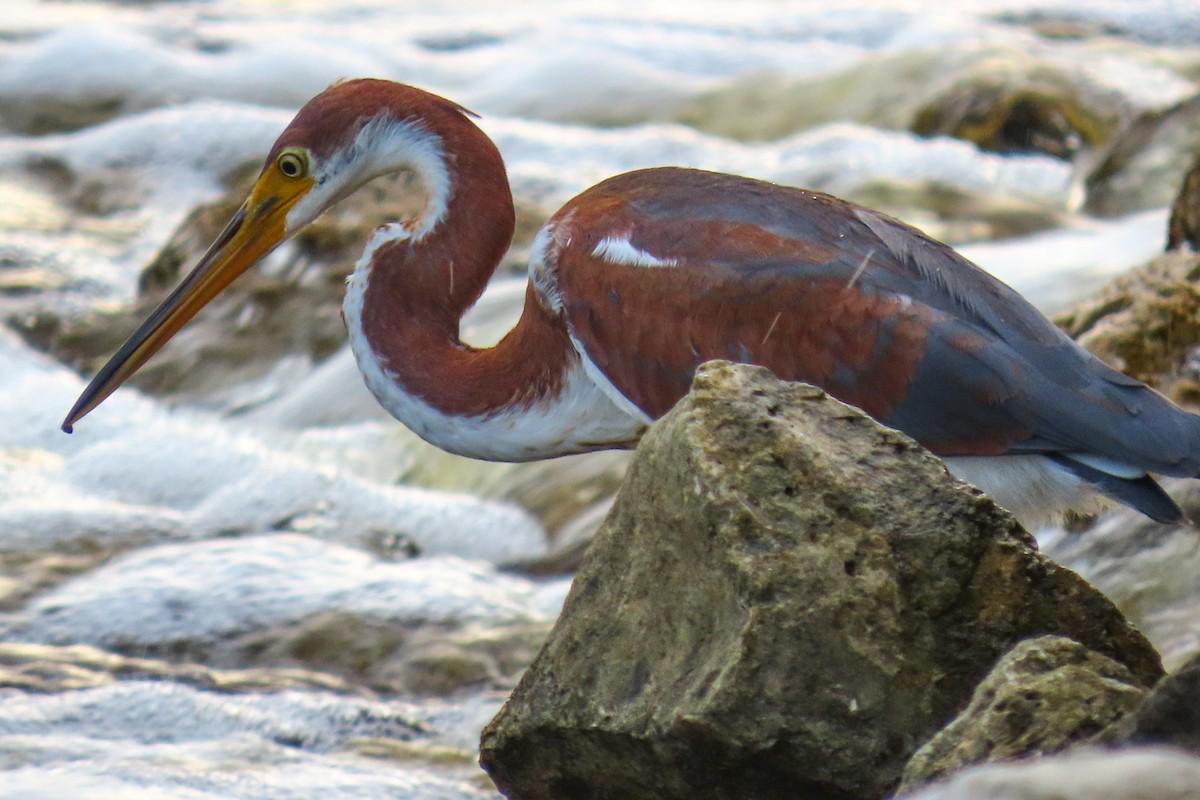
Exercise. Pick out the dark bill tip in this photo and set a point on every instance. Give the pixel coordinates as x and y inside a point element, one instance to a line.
<point>206,279</point>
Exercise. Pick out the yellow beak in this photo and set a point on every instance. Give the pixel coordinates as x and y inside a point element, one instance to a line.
<point>256,229</point>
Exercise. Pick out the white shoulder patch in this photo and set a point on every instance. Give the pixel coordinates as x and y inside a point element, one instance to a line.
<point>621,251</point>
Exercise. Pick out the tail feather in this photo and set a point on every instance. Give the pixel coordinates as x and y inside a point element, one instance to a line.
<point>1150,431</point>
<point>1142,493</point>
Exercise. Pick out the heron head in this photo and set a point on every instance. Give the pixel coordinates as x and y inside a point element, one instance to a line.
<point>349,134</point>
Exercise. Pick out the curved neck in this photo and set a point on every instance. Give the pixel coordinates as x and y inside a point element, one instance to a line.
<point>410,290</point>
<point>439,264</point>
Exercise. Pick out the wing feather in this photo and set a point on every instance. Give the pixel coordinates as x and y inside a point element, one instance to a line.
<point>660,270</point>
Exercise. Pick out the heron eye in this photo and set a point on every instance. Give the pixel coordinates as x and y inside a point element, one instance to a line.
<point>293,164</point>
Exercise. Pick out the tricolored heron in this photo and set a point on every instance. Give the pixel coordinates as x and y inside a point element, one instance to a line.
<point>641,278</point>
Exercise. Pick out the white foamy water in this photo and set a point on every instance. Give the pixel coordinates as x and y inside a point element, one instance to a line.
<point>195,90</point>
<point>143,475</point>
<point>202,593</point>
<point>116,120</point>
<point>158,740</point>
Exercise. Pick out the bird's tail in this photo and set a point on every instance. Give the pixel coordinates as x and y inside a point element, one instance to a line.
<point>1140,491</point>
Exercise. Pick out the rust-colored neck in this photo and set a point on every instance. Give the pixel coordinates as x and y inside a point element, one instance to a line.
<point>417,291</point>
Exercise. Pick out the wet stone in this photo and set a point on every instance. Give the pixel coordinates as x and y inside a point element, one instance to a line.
<point>1045,695</point>
<point>1028,109</point>
<point>1147,324</point>
<point>1148,569</point>
<point>1170,715</point>
<point>819,598</point>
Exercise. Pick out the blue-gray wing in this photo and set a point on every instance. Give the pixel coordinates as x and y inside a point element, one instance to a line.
<point>660,270</point>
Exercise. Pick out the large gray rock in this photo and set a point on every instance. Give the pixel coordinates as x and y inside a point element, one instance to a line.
<point>786,601</point>
<point>1045,695</point>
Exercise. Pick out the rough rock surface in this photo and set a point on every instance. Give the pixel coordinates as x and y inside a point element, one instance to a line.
<point>1147,324</point>
<point>1169,716</point>
<point>1044,695</point>
<point>1148,569</point>
<point>1143,774</point>
<point>817,598</point>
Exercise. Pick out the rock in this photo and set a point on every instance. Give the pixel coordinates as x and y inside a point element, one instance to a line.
<point>1043,696</point>
<point>1183,230</point>
<point>1144,774</point>
<point>1140,168</point>
<point>786,600</point>
<point>1147,324</point>
<point>1149,570</point>
<point>1008,105</point>
<point>1169,716</point>
<point>1003,98</point>
<point>882,89</point>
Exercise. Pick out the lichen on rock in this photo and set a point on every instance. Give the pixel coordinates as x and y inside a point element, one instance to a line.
<point>1043,696</point>
<point>786,600</point>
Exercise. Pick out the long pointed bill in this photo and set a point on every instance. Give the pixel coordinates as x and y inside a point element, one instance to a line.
<point>255,230</point>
